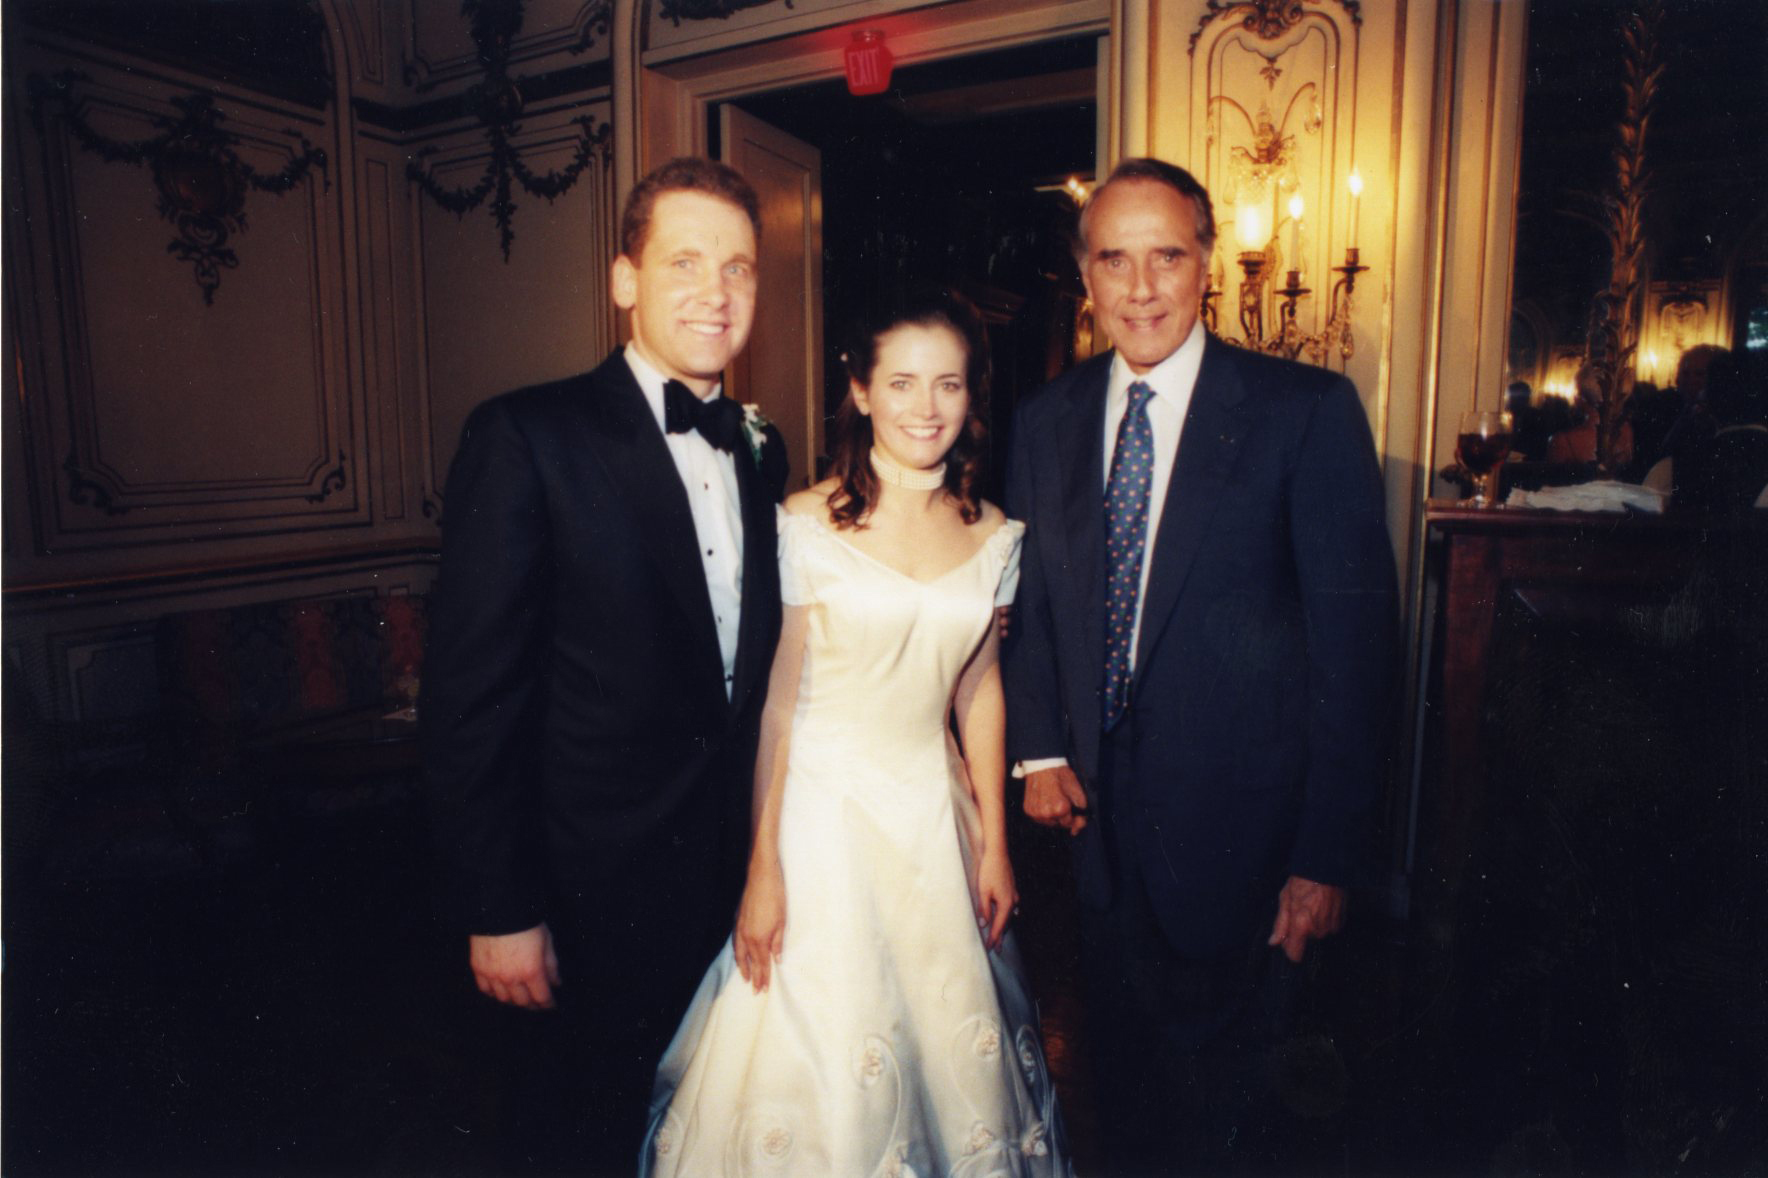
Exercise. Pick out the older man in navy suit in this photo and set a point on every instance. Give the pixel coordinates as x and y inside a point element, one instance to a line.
<point>1199,675</point>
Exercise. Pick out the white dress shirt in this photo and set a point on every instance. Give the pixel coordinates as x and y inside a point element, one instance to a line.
<point>1173,381</point>
<point>710,476</point>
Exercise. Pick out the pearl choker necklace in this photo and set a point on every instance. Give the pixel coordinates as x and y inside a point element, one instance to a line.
<point>898,475</point>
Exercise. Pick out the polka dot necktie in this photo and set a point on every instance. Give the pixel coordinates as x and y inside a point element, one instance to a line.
<point>1126,530</point>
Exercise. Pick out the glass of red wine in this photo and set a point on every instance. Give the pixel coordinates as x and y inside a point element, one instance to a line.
<point>1482,445</point>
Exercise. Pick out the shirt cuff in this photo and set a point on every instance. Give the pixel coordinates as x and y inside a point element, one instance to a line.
<point>1026,768</point>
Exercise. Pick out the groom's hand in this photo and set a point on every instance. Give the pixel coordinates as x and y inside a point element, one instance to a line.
<point>1055,797</point>
<point>518,968</point>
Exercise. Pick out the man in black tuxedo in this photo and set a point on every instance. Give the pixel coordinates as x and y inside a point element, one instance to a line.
<point>600,639</point>
<point>1198,675</point>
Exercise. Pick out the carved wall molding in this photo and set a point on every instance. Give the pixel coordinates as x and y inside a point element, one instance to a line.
<point>1277,95</point>
<point>362,22</point>
<point>200,179</point>
<point>335,480</point>
<point>586,29</point>
<point>676,11</point>
<point>85,491</point>
<point>483,339</point>
<point>505,170</point>
<point>498,101</point>
<point>1676,316</point>
<point>152,419</point>
<point>1265,19</point>
<point>386,297</point>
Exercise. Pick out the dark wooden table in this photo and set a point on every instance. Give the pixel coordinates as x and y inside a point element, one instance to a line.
<point>1584,568</point>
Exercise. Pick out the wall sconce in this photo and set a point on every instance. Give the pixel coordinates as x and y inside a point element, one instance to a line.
<point>868,63</point>
<point>1259,234</point>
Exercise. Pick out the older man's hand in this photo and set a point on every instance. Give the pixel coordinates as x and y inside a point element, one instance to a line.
<point>1055,797</point>
<point>1306,911</point>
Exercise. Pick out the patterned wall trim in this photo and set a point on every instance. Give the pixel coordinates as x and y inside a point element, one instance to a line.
<point>84,492</point>
<point>498,101</point>
<point>589,77</point>
<point>676,11</point>
<point>1267,19</point>
<point>334,480</point>
<point>587,29</point>
<point>201,181</point>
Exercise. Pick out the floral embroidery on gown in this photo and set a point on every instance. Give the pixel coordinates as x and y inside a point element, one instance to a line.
<point>890,1041</point>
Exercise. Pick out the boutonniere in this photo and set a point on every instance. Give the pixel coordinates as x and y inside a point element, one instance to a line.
<point>755,425</point>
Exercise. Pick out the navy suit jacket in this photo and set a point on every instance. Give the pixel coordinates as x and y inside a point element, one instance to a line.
<point>576,734</point>
<point>1265,661</point>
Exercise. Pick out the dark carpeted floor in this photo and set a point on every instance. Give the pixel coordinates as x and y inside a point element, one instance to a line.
<point>265,992</point>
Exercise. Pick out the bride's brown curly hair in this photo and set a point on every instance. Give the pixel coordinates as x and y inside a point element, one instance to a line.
<point>856,483</point>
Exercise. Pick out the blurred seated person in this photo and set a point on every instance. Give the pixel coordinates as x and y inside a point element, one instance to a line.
<point>1577,442</point>
<point>1694,423</point>
<point>1530,423</point>
<point>1725,472</point>
<point>1651,412</point>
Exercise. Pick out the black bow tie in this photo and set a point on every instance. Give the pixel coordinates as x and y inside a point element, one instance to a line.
<point>720,420</point>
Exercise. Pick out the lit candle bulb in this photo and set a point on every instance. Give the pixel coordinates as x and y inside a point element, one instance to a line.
<point>1295,208</point>
<point>1356,183</point>
<point>1249,226</point>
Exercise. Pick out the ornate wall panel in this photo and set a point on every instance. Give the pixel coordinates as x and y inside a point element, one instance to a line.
<point>676,28</point>
<point>383,292</point>
<point>491,325</point>
<point>165,453</point>
<point>156,414</point>
<point>1274,113</point>
<point>554,34</point>
<point>1678,316</point>
<point>364,24</point>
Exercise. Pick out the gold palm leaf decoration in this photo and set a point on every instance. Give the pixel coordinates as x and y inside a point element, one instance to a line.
<point>1614,314</point>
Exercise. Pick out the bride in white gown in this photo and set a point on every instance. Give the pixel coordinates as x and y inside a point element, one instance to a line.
<point>869,1015</point>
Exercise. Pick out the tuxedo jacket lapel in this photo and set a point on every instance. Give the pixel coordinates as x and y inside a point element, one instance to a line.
<point>631,449</point>
<point>1215,426</point>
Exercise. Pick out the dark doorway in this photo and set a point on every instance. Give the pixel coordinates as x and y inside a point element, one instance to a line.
<point>956,176</point>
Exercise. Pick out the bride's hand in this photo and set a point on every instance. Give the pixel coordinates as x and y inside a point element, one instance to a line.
<point>997,898</point>
<point>761,926</point>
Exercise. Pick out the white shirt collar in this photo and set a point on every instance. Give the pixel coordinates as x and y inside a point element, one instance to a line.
<point>1173,378</point>
<point>650,383</point>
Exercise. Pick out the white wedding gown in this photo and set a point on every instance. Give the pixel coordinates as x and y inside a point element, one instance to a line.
<point>890,1041</point>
